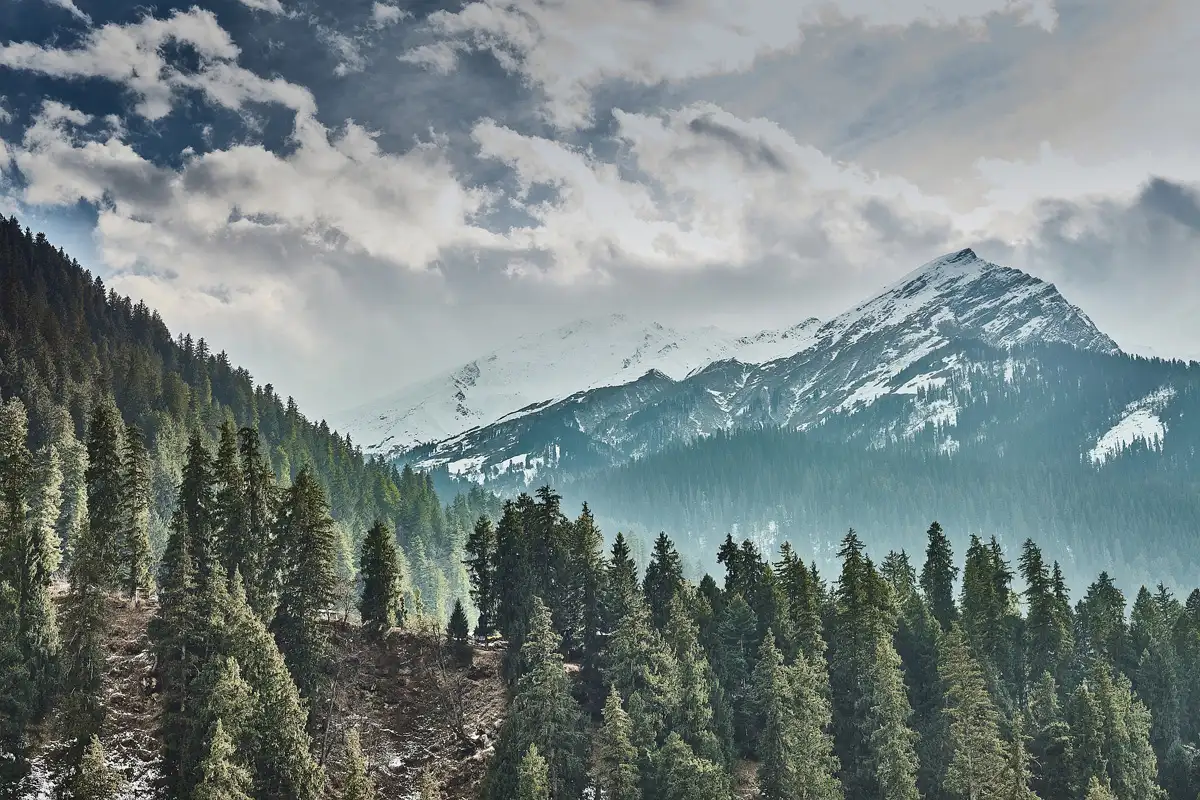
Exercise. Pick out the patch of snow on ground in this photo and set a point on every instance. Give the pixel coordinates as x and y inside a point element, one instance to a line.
<point>1140,422</point>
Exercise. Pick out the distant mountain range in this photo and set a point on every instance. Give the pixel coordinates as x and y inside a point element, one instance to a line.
<point>986,370</point>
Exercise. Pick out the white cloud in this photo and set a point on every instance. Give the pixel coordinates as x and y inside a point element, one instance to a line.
<point>69,5</point>
<point>440,57</point>
<point>132,56</point>
<point>347,50</point>
<point>384,14</point>
<point>568,49</point>
<point>270,6</point>
<point>703,189</point>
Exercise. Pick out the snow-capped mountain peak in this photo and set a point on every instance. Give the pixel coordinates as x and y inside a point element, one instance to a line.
<point>542,368</point>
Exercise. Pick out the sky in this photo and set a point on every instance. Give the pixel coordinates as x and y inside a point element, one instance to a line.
<point>351,195</point>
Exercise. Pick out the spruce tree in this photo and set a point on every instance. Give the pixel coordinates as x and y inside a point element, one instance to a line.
<point>977,762</point>
<point>644,671</point>
<point>105,478</point>
<point>230,517</point>
<point>379,566</point>
<point>221,777</point>
<point>259,570</point>
<point>282,765</point>
<point>309,582</point>
<point>457,634</point>
<point>795,750</point>
<point>1048,635</point>
<point>357,784</point>
<point>693,719</point>
<point>1050,746</point>
<point>891,743</point>
<point>938,575</point>
<point>663,579</point>
<point>93,778</point>
<point>733,660</point>
<point>481,551</point>
<point>533,781</point>
<point>135,549</point>
<point>542,713</point>
<point>679,774</point>
<point>616,771</point>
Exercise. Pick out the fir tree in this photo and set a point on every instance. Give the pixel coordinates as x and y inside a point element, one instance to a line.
<point>938,575</point>
<point>542,713</point>
<point>380,569</point>
<point>357,784</point>
<point>93,778</point>
<point>616,771</point>
<point>259,572</point>
<point>663,579</point>
<point>679,774</point>
<point>481,552</point>
<point>105,478</point>
<point>457,633</point>
<point>230,518</point>
<point>733,661</point>
<point>135,550</point>
<point>795,749</point>
<point>221,777</point>
<point>533,782</point>
<point>308,581</point>
<point>642,669</point>
<point>977,762</point>
<point>1050,747</point>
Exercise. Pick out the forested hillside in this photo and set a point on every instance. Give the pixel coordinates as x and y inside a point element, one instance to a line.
<point>1136,517</point>
<point>877,679</point>
<point>68,344</point>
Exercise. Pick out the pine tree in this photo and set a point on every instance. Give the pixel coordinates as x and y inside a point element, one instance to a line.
<point>457,633</point>
<point>94,779</point>
<point>891,742</point>
<point>977,763</point>
<point>282,765</point>
<point>1050,747</point>
<point>357,784</point>
<point>135,550</point>
<point>1017,774</point>
<point>533,782</point>
<point>693,719</point>
<point>481,552</point>
<point>221,777</point>
<point>542,713</point>
<point>616,771</point>
<point>380,569</point>
<point>679,774</point>
<point>308,581</point>
<point>230,518</point>
<point>105,478</point>
<point>794,748</point>
<point>938,575</point>
<point>663,580</point>
<point>643,670</point>
<point>1048,635</point>
<point>259,572</point>
<point>588,567</point>
<point>733,661</point>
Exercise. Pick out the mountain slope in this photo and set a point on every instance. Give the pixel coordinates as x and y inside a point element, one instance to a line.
<point>899,344</point>
<point>540,369</point>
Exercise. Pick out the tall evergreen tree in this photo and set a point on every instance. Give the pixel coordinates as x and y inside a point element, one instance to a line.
<point>977,764</point>
<point>357,784</point>
<point>379,566</point>
<point>481,567</point>
<point>938,575</point>
<point>616,770</point>
<point>309,582</point>
<point>230,517</point>
<point>135,549</point>
<point>221,777</point>
<point>542,713</point>
<point>259,569</point>
<point>533,782</point>
<point>105,478</point>
<point>663,579</point>
<point>795,749</point>
<point>93,778</point>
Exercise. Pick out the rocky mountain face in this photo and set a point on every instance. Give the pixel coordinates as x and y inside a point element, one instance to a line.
<point>898,367</point>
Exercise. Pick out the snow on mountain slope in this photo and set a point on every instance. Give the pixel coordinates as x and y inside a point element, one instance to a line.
<point>543,368</point>
<point>902,342</point>
<point>1140,422</point>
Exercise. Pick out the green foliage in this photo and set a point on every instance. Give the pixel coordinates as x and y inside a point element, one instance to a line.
<point>356,785</point>
<point>616,769</point>
<point>937,576</point>
<point>93,778</point>
<point>533,782</point>
<point>679,774</point>
<point>135,543</point>
<point>379,566</point>
<point>978,759</point>
<point>221,777</point>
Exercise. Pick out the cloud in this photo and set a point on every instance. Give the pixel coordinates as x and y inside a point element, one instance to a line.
<point>439,57</point>
<point>270,6</point>
<point>1130,262</point>
<point>134,56</point>
<point>696,189</point>
<point>345,48</point>
<point>569,49</point>
<point>69,5</point>
<point>384,14</point>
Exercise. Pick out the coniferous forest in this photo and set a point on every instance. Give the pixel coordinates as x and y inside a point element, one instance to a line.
<point>280,581</point>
